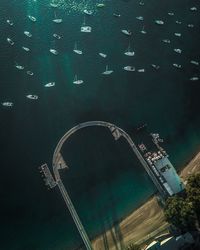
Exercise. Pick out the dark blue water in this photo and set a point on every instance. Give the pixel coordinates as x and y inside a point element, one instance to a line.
<point>105,180</point>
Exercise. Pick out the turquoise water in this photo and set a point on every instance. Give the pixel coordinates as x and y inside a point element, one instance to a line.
<point>105,180</point>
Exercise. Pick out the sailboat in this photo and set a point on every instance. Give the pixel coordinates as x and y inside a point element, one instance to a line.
<point>32,18</point>
<point>76,81</point>
<point>54,51</point>
<point>85,28</point>
<point>50,84</point>
<point>103,55</point>
<point>57,20</point>
<point>107,72</point>
<point>77,51</point>
<point>143,31</point>
<point>129,52</point>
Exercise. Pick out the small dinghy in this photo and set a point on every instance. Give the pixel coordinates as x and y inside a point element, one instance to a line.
<point>76,81</point>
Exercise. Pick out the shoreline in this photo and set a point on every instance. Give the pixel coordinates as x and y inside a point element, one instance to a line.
<point>144,221</point>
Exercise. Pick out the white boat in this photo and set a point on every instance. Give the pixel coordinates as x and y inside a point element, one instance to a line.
<point>159,22</point>
<point>179,66</point>
<point>190,25</point>
<point>129,68</point>
<point>56,36</point>
<point>85,28</point>
<point>25,48</point>
<point>194,62</point>
<point>50,84</point>
<point>140,18</point>
<point>7,104</point>
<point>100,5</point>
<point>116,15</point>
<point>126,32</point>
<point>166,41</point>
<point>170,13</point>
<point>76,81</point>
<point>30,73</point>
<point>10,41</point>
<point>141,3</point>
<point>143,31</point>
<point>178,22</point>
<point>54,5</point>
<point>193,8</point>
<point>129,52</point>
<point>20,67</point>
<point>54,51</point>
<point>141,70</point>
<point>177,34</point>
<point>194,78</point>
<point>27,33</point>
<point>155,66</point>
<point>107,71</point>
<point>32,18</point>
<point>179,51</point>
<point>10,22</point>
<point>103,55</point>
<point>77,51</point>
<point>57,20</point>
<point>33,97</point>
<point>88,12</point>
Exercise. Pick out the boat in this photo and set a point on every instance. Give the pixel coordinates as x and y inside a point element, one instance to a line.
<point>126,32</point>
<point>10,22</point>
<point>76,81</point>
<point>140,18</point>
<point>194,62</point>
<point>129,68</point>
<point>30,73</point>
<point>170,13</point>
<point>116,15</point>
<point>85,28</point>
<point>179,51</point>
<point>7,104</point>
<point>56,36</point>
<point>193,8</point>
<point>77,51</point>
<point>190,25</point>
<point>143,31</point>
<point>141,3</point>
<point>54,51</point>
<point>178,22</point>
<point>20,67</point>
<point>194,78</point>
<point>103,55</point>
<point>141,70</point>
<point>57,20</point>
<point>177,34</point>
<point>32,18</point>
<point>159,22</point>
<point>10,41</point>
<point>54,5</point>
<point>155,66</point>
<point>33,97</point>
<point>50,84</point>
<point>166,41</point>
<point>25,48</point>
<point>107,72</point>
<point>100,5</point>
<point>27,33</point>
<point>129,52</point>
<point>179,66</point>
<point>88,12</point>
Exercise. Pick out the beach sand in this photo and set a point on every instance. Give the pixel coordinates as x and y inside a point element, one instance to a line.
<point>144,223</point>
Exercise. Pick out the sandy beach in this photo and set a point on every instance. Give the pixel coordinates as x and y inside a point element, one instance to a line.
<point>145,222</point>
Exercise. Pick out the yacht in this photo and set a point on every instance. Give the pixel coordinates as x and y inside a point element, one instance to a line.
<point>126,32</point>
<point>30,73</point>
<point>194,78</point>
<point>159,22</point>
<point>166,41</point>
<point>57,20</point>
<point>10,22</point>
<point>155,66</point>
<point>116,15</point>
<point>76,81</point>
<point>100,5</point>
<point>141,18</point>
<point>7,104</point>
<point>20,67</point>
<point>179,51</point>
<point>88,12</point>
<point>32,18</point>
<point>141,70</point>
<point>25,48</point>
<point>129,68</point>
<point>33,97</point>
<point>178,22</point>
<point>54,51</point>
<point>143,31</point>
<point>107,71</point>
<point>56,36</point>
<point>177,34</point>
<point>10,41</point>
<point>194,62</point>
<point>77,51</point>
<point>193,8</point>
<point>129,52</point>
<point>27,33</point>
<point>85,28</point>
<point>103,55</point>
<point>50,84</point>
<point>179,66</point>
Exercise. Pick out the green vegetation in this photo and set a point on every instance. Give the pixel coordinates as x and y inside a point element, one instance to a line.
<point>132,247</point>
<point>183,211</point>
